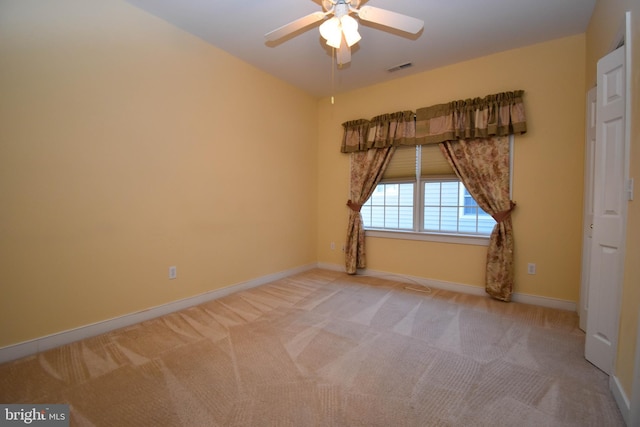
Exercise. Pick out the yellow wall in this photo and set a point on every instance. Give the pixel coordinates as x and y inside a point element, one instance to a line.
<point>128,146</point>
<point>606,23</point>
<point>548,167</point>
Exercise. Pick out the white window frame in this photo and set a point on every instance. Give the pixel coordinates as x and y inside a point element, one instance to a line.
<point>417,233</point>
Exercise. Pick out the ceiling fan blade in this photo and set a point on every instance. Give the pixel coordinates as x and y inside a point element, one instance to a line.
<point>294,26</point>
<point>343,54</point>
<point>387,18</point>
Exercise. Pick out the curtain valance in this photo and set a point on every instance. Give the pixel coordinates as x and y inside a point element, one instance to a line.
<point>494,115</point>
<point>382,131</point>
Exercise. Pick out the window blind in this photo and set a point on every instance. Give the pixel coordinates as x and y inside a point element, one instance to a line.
<point>402,164</point>
<point>426,160</point>
<point>433,163</point>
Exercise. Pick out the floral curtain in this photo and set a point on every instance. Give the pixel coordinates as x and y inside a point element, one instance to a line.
<point>482,164</point>
<point>371,145</point>
<point>367,168</point>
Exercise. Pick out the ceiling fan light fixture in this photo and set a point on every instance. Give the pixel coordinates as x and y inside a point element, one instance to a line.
<point>350,30</point>
<point>341,30</point>
<point>335,40</point>
<point>330,30</point>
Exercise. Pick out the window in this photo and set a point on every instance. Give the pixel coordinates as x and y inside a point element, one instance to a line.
<point>449,208</point>
<point>421,194</point>
<point>391,206</point>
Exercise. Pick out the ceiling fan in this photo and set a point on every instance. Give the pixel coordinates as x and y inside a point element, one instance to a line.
<point>341,30</point>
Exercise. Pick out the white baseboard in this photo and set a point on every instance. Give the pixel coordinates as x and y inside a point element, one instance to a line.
<point>37,345</point>
<point>462,288</point>
<point>621,398</point>
<point>560,304</point>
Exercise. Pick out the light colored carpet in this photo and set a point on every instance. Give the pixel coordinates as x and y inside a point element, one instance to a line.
<point>326,349</point>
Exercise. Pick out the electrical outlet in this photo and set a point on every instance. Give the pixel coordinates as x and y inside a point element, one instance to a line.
<point>531,268</point>
<point>333,246</point>
<point>173,272</point>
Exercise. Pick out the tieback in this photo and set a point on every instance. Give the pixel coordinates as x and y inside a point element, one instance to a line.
<point>354,206</point>
<point>501,216</point>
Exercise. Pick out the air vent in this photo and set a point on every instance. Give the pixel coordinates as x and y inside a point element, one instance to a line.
<point>400,67</point>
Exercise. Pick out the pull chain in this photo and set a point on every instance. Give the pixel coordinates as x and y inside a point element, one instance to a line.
<point>333,71</point>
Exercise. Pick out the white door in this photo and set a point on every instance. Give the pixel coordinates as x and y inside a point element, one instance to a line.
<point>587,222</point>
<point>609,213</point>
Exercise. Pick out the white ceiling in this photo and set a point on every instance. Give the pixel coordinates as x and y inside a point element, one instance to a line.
<point>454,31</point>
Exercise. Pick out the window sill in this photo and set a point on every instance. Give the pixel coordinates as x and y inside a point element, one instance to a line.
<point>461,239</point>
